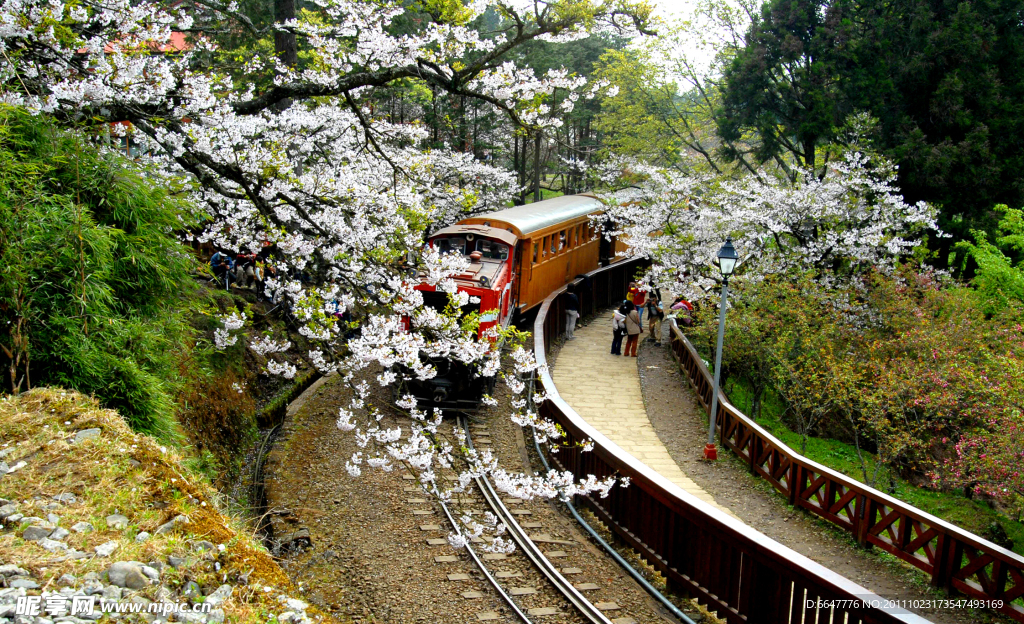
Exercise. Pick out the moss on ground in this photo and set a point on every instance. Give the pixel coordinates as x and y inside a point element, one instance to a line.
<point>132,474</point>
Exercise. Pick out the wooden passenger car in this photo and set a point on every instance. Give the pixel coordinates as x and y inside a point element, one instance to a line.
<point>517,257</point>
<point>556,241</point>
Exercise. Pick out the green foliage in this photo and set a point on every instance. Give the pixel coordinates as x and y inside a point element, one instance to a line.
<point>94,280</point>
<point>998,280</point>
<point>898,366</point>
<point>943,78</point>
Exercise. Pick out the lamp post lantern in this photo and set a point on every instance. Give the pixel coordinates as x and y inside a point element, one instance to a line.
<point>727,258</point>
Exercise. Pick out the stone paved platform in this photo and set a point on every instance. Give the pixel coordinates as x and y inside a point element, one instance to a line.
<point>604,389</point>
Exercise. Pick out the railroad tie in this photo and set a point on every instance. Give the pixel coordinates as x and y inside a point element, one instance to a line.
<point>522,591</point>
<point>446,559</point>
<point>555,554</point>
<point>565,571</point>
<point>459,576</point>
<point>541,611</point>
<point>470,595</point>
<point>587,586</point>
<point>430,527</point>
<point>486,616</point>
<point>507,574</point>
<point>437,541</point>
<point>607,606</point>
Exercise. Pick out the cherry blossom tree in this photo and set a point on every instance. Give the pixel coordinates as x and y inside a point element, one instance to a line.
<point>290,153</point>
<point>851,218</point>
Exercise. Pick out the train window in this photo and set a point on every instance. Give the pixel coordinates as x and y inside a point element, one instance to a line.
<point>492,249</point>
<point>561,240</point>
<point>554,244</point>
<point>544,248</point>
<point>579,234</point>
<point>448,245</point>
<point>536,250</point>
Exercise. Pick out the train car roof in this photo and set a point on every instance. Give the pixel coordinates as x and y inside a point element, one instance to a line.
<point>539,215</point>
<point>461,229</point>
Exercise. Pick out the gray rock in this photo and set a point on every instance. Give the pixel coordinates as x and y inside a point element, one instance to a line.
<point>12,570</point>
<point>118,571</point>
<point>14,518</point>
<point>150,573</point>
<point>7,610</point>
<point>33,520</point>
<point>23,584</point>
<point>217,598</point>
<point>158,566</point>
<point>92,588</point>
<point>191,591</point>
<point>216,615</point>
<point>91,576</point>
<point>287,617</point>
<point>52,545</point>
<point>296,605</point>
<point>5,452</point>
<point>67,498</point>
<point>175,562</point>
<point>34,533</point>
<point>73,554</point>
<point>59,533</point>
<point>142,536</point>
<point>66,580</point>
<point>164,595</point>
<point>167,527</point>
<point>188,617</point>
<point>82,527</point>
<point>112,592</point>
<point>54,518</point>
<point>105,550</point>
<point>202,545</point>
<point>86,434</point>
<point>117,521</point>
<point>4,468</point>
<point>51,506</point>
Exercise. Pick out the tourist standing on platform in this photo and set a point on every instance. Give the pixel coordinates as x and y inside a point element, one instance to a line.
<point>619,328</point>
<point>633,330</point>
<point>572,310</point>
<point>638,298</point>
<point>655,315</point>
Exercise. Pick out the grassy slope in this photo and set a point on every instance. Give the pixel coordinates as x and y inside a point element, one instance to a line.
<point>973,515</point>
<point>127,473</point>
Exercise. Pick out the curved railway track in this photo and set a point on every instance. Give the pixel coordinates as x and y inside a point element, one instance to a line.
<point>536,557</point>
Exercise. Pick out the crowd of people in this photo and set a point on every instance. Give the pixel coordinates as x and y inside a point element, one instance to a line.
<point>245,270</point>
<point>627,320</point>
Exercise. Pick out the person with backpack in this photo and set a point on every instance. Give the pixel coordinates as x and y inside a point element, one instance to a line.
<point>619,327</point>
<point>655,315</point>
<point>220,264</point>
<point>633,330</point>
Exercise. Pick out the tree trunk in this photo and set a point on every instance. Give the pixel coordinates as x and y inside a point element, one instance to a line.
<point>286,46</point>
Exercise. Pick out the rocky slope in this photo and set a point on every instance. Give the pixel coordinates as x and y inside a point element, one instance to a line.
<point>97,523</point>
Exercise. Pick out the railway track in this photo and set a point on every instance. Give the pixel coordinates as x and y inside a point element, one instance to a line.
<point>532,551</point>
<point>544,593</point>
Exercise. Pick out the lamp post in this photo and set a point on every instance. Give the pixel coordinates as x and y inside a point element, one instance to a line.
<point>727,258</point>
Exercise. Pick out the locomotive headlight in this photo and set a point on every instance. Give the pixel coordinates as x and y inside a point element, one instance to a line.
<point>484,281</point>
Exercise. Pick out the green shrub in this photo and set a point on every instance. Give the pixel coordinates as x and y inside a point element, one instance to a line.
<point>93,281</point>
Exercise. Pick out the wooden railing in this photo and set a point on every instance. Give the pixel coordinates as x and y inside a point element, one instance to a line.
<point>732,569</point>
<point>956,560</point>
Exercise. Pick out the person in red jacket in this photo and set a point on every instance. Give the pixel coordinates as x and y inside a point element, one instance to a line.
<point>638,298</point>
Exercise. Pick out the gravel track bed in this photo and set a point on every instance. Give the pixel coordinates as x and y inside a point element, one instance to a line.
<point>370,560</point>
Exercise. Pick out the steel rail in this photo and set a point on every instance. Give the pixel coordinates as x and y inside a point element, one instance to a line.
<point>480,564</point>
<point>532,551</point>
